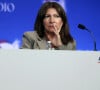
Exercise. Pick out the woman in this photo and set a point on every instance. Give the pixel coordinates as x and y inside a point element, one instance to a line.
<point>51,25</point>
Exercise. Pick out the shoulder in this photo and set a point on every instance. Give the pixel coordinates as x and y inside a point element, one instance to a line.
<point>72,45</point>
<point>74,42</point>
<point>30,34</point>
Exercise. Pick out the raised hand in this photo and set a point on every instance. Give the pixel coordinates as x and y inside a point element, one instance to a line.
<point>55,37</point>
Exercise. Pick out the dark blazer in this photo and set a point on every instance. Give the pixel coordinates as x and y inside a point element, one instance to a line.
<point>31,40</point>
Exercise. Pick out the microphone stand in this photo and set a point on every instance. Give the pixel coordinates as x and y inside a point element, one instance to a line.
<point>91,33</point>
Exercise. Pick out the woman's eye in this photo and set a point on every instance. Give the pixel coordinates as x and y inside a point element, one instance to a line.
<point>56,16</point>
<point>47,16</point>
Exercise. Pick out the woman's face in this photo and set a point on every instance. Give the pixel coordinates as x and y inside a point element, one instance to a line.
<point>52,20</point>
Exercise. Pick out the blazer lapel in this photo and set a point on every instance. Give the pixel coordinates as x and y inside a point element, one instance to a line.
<point>42,43</point>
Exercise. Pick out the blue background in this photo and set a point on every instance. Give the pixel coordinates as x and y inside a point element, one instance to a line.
<point>87,12</point>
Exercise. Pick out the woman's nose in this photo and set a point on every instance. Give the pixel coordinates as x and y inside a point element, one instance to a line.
<point>52,19</point>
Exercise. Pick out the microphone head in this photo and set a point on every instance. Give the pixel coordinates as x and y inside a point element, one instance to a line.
<point>82,26</point>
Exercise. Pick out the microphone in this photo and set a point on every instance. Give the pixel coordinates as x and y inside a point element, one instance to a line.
<point>82,27</point>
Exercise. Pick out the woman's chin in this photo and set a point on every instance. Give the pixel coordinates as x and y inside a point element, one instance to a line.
<point>51,30</point>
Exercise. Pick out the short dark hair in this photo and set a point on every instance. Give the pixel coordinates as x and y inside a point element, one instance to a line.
<point>39,27</point>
